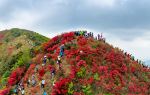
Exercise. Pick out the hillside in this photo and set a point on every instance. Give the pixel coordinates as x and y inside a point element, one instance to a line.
<point>88,66</point>
<point>16,46</point>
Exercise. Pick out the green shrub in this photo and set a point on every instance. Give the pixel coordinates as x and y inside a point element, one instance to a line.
<point>18,45</point>
<point>96,76</point>
<point>82,72</point>
<point>70,89</point>
<point>16,32</point>
<point>87,90</point>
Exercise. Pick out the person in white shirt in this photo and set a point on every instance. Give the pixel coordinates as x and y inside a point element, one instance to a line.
<point>42,83</point>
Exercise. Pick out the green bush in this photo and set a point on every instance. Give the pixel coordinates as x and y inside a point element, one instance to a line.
<point>87,90</point>
<point>22,60</point>
<point>18,45</point>
<point>82,72</point>
<point>70,89</point>
<point>16,32</point>
<point>96,76</point>
<point>6,74</point>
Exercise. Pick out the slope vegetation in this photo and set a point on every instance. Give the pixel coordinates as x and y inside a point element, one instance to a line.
<point>16,46</point>
<point>88,66</point>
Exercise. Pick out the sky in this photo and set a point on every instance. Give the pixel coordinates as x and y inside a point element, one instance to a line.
<point>124,23</point>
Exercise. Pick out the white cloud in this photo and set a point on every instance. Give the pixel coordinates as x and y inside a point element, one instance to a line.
<point>21,19</point>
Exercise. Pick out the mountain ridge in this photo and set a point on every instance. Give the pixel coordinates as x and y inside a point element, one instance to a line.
<point>83,65</point>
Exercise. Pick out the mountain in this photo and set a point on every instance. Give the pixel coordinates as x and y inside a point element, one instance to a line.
<point>16,46</point>
<point>88,66</point>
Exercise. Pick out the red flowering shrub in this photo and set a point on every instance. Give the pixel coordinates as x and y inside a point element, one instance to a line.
<point>67,37</point>
<point>29,71</point>
<point>81,63</point>
<point>110,57</point>
<point>82,41</point>
<point>51,43</point>
<point>41,72</point>
<point>123,68</point>
<point>15,76</point>
<point>78,58</point>
<point>133,88</point>
<point>60,87</point>
<point>5,91</point>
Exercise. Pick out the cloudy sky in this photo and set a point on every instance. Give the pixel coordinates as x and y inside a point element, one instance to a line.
<point>124,23</point>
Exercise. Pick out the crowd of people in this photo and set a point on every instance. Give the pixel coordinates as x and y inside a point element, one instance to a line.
<point>134,59</point>
<point>19,88</point>
<point>89,34</point>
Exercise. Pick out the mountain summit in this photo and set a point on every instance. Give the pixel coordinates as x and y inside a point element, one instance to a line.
<point>76,63</point>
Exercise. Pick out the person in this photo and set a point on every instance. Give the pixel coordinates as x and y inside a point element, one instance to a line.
<point>62,50</point>
<point>16,91</point>
<point>53,72</point>
<point>22,91</point>
<point>44,93</point>
<point>81,33</point>
<point>44,60</point>
<point>86,35</point>
<point>92,35</point>
<point>81,52</point>
<point>99,37</point>
<point>33,82</point>
<point>54,82</point>
<point>76,33</point>
<point>28,82</point>
<point>59,61</point>
<point>42,83</point>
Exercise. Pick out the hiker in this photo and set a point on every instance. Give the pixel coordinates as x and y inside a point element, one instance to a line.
<point>104,40</point>
<point>98,37</point>
<point>33,76</point>
<point>81,52</point>
<point>58,61</point>
<point>42,83</point>
<point>101,36</point>
<point>44,93</point>
<point>95,38</point>
<point>33,82</point>
<point>53,71</point>
<point>22,91</point>
<point>44,60</point>
<point>92,35</point>
<point>62,50</point>
<point>81,33</point>
<point>76,33</point>
<point>54,82</point>
<point>16,91</point>
<point>28,82</point>
<point>86,35</point>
